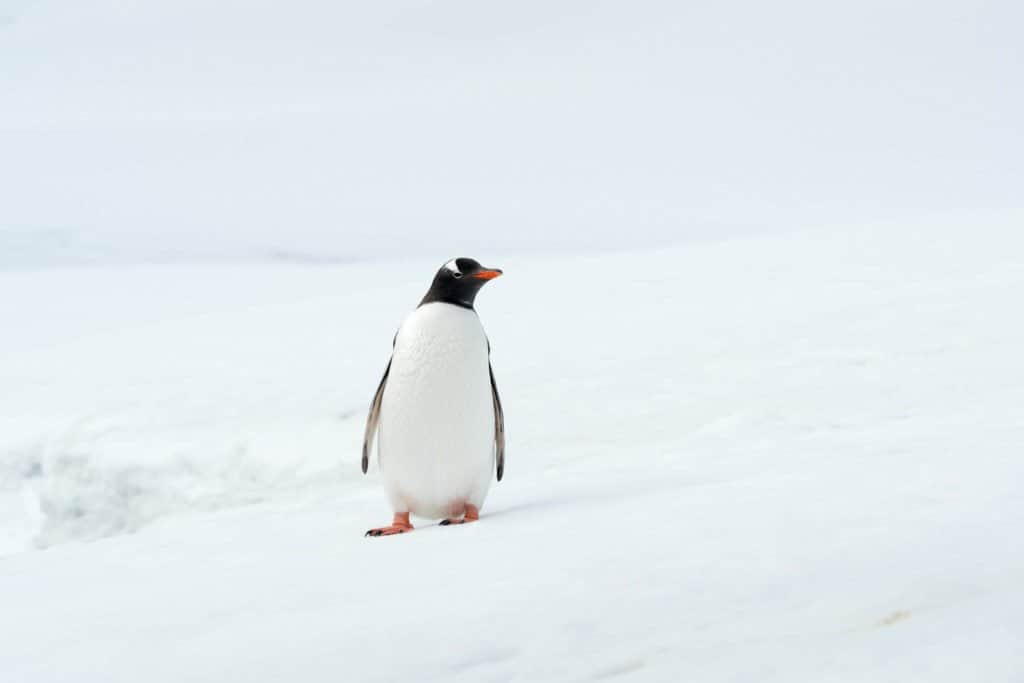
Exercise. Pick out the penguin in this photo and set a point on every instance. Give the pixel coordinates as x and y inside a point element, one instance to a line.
<point>437,415</point>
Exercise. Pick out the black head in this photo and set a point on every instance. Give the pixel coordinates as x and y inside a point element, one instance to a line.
<point>458,281</point>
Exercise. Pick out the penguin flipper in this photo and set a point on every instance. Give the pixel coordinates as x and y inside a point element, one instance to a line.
<point>373,419</point>
<point>499,424</point>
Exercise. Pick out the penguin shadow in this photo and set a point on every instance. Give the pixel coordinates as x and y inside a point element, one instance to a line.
<point>516,508</point>
<point>548,503</point>
<point>596,495</point>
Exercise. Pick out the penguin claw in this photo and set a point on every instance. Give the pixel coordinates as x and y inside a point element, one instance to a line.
<point>388,531</point>
<point>399,526</point>
<point>472,515</point>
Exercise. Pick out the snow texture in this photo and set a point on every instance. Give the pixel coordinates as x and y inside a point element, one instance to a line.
<point>758,338</point>
<point>790,457</point>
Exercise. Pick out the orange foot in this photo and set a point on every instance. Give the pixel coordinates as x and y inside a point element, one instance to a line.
<point>472,515</point>
<point>399,525</point>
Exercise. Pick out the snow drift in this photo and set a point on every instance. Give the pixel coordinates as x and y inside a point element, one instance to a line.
<point>785,458</point>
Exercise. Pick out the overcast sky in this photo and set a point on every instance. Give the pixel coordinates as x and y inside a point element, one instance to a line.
<point>360,129</point>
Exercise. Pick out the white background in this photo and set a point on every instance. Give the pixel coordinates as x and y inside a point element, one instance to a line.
<point>758,339</point>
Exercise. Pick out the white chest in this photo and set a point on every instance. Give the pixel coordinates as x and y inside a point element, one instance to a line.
<point>437,417</point>
<point>439,348</point>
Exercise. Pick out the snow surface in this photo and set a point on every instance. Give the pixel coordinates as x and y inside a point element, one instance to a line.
<point>790,457</point>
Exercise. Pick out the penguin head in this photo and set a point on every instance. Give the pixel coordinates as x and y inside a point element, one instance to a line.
<point>458,281</point>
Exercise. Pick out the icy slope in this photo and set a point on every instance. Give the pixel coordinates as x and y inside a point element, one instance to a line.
<point>790,458</point>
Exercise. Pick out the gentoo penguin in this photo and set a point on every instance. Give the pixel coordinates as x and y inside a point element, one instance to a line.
<point>437,416</point>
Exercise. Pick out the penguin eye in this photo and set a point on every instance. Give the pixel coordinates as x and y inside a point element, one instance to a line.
<point>456,274</point>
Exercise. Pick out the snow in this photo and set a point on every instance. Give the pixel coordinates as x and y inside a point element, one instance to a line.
<point>758,338</point>
<point>786,457</point>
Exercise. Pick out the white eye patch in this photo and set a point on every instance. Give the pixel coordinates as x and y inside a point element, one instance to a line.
<point>453,267</point>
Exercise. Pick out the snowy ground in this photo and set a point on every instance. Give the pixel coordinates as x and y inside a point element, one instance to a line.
<point>781,458</point>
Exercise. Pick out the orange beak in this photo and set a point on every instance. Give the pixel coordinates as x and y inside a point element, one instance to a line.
<point>487,274</point>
